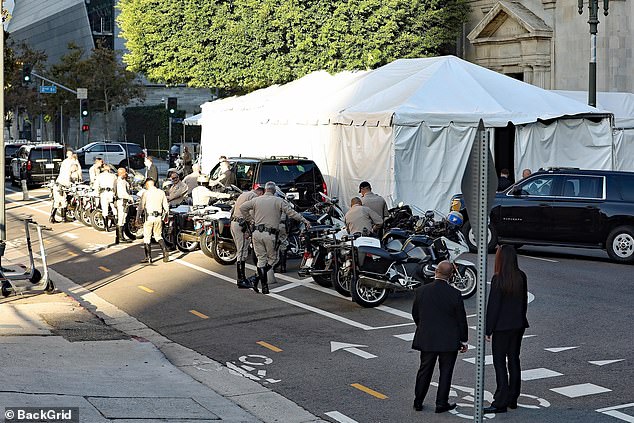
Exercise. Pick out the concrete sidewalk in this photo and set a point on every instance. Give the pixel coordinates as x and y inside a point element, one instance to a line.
<point>74,349</point>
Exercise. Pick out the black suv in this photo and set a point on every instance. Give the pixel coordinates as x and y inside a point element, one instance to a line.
<point>564,207</point>
<point>37,163</point>
<point>296,176</point>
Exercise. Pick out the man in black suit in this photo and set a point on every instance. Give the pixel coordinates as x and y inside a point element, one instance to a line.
<point>504,181</point>
<point>441,331</point>
<point>151,170</point>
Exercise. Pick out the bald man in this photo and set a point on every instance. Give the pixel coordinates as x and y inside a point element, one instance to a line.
<point>441,331</point>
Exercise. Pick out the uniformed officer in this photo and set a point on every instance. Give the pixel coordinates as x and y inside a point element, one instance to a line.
<point>201,194</point>
<point>267,211</point>
<point>191,180</point>
<point>177,190</point>
<point>241,234</point>
<point>62,184</point>
<point>372,200</point>
<point>104,184</point>
<point>66,165</point>
<point>123,197</point>
<point>225,178</point>
<point>95,170</point>
<point>155,209</point>
<point>361,218</point>
<point>75,170</point>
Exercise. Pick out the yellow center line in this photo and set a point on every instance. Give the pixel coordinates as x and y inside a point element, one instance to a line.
<point>199,314</point>
<point>105,269</point>
<point>269,346</point>
<point>145,288</point>
<point>70,253</point>
<point>369,391</point>
<point>47,241</point>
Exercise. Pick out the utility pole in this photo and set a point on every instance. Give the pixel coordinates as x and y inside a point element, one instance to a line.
<point>593,8</point>
<point>3,216</point>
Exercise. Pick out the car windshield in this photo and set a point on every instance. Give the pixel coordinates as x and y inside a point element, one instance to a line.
<point>288,172</point>
<point>47,153</point>
<point>132,148</point>
<point>10,150</point>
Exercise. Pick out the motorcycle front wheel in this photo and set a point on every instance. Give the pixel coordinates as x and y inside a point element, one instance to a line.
<point>366,296</point>
<point>465,281</point>
<point>84,216</point>
<point>224,252</point>
<point>132,230</point>
<point>97,220</point>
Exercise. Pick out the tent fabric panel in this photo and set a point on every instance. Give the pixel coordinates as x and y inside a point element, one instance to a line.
<point>624,149</point>
<point>429,164</point>
<point>620,104</point>
<point>361,153</point>
<point>564,143</point>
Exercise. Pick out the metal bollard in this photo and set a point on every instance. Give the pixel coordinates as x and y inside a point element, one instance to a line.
<point>25,190</point>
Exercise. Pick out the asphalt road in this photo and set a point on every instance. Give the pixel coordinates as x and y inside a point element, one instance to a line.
<point>581,319</point>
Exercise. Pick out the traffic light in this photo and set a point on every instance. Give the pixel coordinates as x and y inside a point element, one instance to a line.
<point>85,128</point>
<point>172,104</point>
<point>27,69</point>
<point>84,108</point>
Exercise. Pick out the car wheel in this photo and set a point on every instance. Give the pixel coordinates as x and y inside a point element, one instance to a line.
<point>471,238</point>
<point>620,244</point>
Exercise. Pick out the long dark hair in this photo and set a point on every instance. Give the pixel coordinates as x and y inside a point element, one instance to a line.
<point>507,271</point>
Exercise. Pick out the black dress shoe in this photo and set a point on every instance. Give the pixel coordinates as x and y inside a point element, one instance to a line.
<point>418,407</point>
<point>444,408</point>
<point>513,405</point>
<point>493,410</point>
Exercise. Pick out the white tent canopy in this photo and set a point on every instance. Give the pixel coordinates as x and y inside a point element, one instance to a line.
<point>193,120</point>
<point>406,127</point>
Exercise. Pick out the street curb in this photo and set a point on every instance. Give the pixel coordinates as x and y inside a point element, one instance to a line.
<point>263,403</point>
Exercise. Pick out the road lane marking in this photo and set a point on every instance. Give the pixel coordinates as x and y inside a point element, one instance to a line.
<point>581,390</point>
<point>70,253</point>
<point>351,348</point>
<point>540,373</point>
<point>559,349</point>
<point>341,418</point>
<point>369,391</point>
<point>406,336</point>
<point>70,235</point>
<point>105,269</point>
<point>281,298</point>
<point>395,311</point>
<point>604,362</point>
<point>269,346</point>
<point>488,360</point>
<point>539,258</point>
<point>145,288</point>
<point>612,412</point>
<point>199,314</point>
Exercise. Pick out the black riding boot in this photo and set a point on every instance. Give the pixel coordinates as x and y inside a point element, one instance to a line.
<point>264,278</point>
<point>116,237</point>
<point>120,237</point>
<point>148,254</point>
<point>166,254</point>
<point>243,283</point>
<point>64,215</point>
<point>52,218</point>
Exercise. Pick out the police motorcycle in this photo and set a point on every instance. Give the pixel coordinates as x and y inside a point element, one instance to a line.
<point>320,243</point>
<point>88,203</point>
<point>374,271</point>
<point>216,240</point>
<point>132,227</point>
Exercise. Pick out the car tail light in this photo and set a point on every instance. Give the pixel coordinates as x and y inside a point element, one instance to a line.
<point>324,188</point>
<point>141,155</point>
<point>307,255</point>
<point>29,165</point>
<point>287,162</point>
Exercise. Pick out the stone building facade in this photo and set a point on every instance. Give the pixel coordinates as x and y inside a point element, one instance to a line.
<point>547,42</point>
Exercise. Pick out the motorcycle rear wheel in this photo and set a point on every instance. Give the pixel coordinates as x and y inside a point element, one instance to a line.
<point>84,217</point>
<point>185,246</point>
<point>341,280</point>
<point>323,280</point>
<point>466,281</point>
<point>366,296</point>
<point>223,252</point>
<point>207,245</point>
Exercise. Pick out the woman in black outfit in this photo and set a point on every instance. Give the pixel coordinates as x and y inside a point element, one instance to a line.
<point>505,325</point>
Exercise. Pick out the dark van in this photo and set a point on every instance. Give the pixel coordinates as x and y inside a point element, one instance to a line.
<point>37,163</point>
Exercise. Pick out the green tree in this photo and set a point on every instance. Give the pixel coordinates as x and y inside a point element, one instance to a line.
<point>242,45</point>
<point>110,85</point>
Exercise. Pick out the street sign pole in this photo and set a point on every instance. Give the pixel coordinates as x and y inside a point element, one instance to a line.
<point>3,220</point>
<point>479,184</point>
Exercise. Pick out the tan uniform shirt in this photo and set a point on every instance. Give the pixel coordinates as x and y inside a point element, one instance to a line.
<point>376,203</point>
<point>201,195</point>
<point>93,172</point>
<point>176,193</point>
<point>105,180</point>
<point>359,218</point>
<point>154,200</point>
<point>243,198</point>
<point>268,209</point>
<point>123,189</point>
<point>191,181</point>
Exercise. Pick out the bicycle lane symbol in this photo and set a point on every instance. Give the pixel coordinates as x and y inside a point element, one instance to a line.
<point>252,367</point>
<point>525,401</point>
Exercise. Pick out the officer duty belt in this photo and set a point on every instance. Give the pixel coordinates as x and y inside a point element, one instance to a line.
<point>262,228</point>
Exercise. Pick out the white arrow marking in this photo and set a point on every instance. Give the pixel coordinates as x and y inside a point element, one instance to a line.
<point>351,348</point>
<point>560,349</point>
<point>604,362</point>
